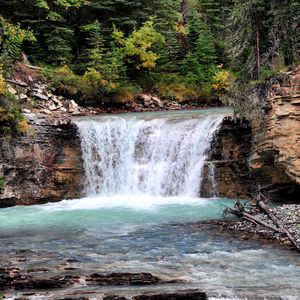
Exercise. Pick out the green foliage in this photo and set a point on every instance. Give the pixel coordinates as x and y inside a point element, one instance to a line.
<point>11,117</point>
<point>176,87</point>
<point>103,48</point>
<point>139,47</point>
<point>64,79</point>
<point>125,92</point>
<point>11,40</point>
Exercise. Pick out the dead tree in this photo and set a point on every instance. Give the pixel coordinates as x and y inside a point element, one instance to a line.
<point>260,202</point>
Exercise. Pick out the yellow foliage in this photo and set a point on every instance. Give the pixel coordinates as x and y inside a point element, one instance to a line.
<point>126,93</point>
<point>3,89</point>
<point>22,126</point>
<point>179,92</point>
<point>180,27</point>
<point>221,82</point>
<point>139,46</point>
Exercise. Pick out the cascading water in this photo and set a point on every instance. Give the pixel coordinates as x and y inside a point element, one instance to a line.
<point>158,156</point>
<point>144,173</point>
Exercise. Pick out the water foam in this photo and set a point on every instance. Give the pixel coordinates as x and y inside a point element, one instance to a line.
<point>134,202</point>
<point>156,157</point>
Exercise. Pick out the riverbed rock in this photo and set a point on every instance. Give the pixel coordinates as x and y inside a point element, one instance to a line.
<point>42,165</point>
<point>179,295</point>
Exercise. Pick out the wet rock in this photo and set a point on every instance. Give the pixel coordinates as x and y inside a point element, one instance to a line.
<point>178,295</point>
<point>123,279</point>
<point>19,280</point>
<point>228,159</point>
<point>185,295</point>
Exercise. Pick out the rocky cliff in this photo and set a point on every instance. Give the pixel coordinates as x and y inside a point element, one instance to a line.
<point>275,159</point>
<point>42,165</point>
<point>229,157</point>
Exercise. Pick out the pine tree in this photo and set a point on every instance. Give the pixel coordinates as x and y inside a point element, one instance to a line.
<point>247,28</point>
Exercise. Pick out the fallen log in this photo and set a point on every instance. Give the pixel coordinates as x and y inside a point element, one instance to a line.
<point>33,67</point>
<point>266,209</point>
<point>260,202</point>
<point>239,212</point>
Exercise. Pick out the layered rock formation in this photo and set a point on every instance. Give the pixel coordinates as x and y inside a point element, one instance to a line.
<point>275,160</point>
<point>229,157</point>
<point>43,165</point>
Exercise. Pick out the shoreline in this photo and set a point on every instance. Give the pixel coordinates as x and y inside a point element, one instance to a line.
<point>288,214</point>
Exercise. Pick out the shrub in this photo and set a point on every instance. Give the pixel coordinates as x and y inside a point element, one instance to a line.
<point>174,87</point>
<point>3,89</point>
<point>64,79</point>
<point>126,92</point>
<point>139,47</point>
<point>11,40</point>
<point>221,82</point>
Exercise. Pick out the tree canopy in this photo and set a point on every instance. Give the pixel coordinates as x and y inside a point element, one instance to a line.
<point>173,47</point>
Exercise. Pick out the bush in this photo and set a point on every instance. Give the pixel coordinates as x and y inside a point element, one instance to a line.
<point>11,117</point>
<point>221,82</point>
<point>126,92</point>
<point>65,80</point>
<point>3,89</point>
<point>174,87</point>
<point>11,40</point>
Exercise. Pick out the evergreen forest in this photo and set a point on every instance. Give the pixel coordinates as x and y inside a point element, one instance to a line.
<point>178,49</point>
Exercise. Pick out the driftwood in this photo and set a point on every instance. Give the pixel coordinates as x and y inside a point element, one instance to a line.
<point>34,67</point>
<point>260,202</point>
<point>19,83</point>
<point>240,212</point>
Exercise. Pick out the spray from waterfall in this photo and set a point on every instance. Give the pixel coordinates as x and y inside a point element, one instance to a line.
<point>161,156</point>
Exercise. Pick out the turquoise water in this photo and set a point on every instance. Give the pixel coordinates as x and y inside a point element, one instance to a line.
<point>145,234</point>
<point>145,228</point>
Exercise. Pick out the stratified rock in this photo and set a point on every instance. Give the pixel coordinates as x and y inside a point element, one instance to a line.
<point>123,279</point>
<point>229,158</point>
<point>14,278</point>
<point>42,165</point>
<point>275,160</point>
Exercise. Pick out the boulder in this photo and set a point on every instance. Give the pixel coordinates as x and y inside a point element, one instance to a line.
<point>157,101</point>
<point>38,95</point>
<point>11,89</point>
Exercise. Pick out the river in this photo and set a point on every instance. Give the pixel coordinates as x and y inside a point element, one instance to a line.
<point>143,187</point>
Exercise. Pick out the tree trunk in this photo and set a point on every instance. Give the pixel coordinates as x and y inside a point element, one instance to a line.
<point>257,55</point>
<point>184,22</point>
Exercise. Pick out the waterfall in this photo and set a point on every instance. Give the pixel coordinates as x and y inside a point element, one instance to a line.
<point>212,180</point>
<point>158,156</point>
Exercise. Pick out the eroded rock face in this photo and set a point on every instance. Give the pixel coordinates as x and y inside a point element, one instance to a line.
<point>275,160</point>
<point>229,156</point>
<point>43,165</point>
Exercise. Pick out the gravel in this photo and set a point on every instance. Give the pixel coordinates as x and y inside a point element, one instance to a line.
<point>288,214</point>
